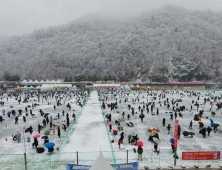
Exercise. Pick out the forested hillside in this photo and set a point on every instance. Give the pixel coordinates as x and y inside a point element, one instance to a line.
<point>166,44</point>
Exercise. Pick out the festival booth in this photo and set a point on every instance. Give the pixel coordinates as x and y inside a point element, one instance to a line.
<point>102,164</point>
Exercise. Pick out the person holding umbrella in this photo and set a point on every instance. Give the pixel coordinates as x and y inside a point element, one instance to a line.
<point>110,128</point>
<point>50,146</point>
<point>140,150</point>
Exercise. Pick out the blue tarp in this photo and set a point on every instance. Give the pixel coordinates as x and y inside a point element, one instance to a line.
<point>124,166</point>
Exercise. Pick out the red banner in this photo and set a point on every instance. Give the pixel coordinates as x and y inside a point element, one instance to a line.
<point>205,155</point>
<point>176,133</point>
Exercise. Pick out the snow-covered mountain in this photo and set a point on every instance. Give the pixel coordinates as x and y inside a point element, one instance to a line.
<point>167,43</point>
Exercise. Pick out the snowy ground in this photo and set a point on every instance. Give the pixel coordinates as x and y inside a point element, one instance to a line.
<point>89,133</point>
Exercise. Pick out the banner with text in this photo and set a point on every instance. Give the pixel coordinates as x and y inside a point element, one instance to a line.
<point>205,155</point>
<point>176,133</point>
<point>125,166</point>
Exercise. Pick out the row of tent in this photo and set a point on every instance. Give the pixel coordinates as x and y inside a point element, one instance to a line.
<point>42,82</point>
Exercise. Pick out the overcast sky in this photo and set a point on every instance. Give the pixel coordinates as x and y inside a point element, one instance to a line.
<point>23,16</point>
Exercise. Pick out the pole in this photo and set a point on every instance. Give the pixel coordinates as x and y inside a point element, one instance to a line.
<point>175,157</point>
<point>127,156</point>
<point>77,158</point>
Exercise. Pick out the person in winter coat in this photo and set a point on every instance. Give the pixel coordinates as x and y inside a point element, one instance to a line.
<point>39,127</point>
<point>18,135</point>
<point>16,119</point>
<point>119,142</point>
<point>24,119</point>
<point>123,114</point>
<point>128,116</point>
<point>35,143</point>
<point>122,136</point>
<point>164,121</point>
<point>140,152</point>
<point>141,117</point>
<point>155,147</point>
<point>191,124</point>
<point>30,129</point>
<point>209,130</point>
<point>171,116</point>
<point>168,128</point>
<point>129,138</point>
<point>58,115</point>
<point>59,132</point>
<point>44,122</point>
<point>204,132</point>
<point>110,128</point>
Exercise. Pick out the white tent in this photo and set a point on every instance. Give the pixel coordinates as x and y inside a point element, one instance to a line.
<point>42,81</point>
<point>53,82</point>
<point>137,86</point>
<point>30,81</point>
<point>47,81</point>
<point>58,81</point>
<point>24,81</point>
<point>132,86</point>
<point>36,81</point>
<point>101,164</point>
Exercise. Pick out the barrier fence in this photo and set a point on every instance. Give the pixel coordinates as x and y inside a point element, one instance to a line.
<point>43,161</point>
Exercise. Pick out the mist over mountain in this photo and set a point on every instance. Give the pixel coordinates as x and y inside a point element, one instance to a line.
<point>167,44</point>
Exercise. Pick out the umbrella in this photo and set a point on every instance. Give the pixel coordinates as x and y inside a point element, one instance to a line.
<point>36,136</point>
<point>115,131</point>
<point>155,140</point>
<point>120,119</point>
<point>47,132</point>
<point>50,145</point>
<point>199,118</point>
<point>110,123</point>
<point>172,141</point>
<point>9,112</point>
<point>139,143</point>
<point>166,112</point>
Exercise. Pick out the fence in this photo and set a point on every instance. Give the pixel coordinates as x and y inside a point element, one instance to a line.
<point>149,158</point>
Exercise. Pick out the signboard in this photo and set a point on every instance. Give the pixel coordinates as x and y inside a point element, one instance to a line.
<point>205,155</point>
<point>186,82</point>
<point>176,133</point>
<point>126,166</point>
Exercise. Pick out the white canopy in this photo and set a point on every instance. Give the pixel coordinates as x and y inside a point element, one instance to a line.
<point>36,81</point>
<point>24,81</point>
<point>47,81</point>
<point>30,81</point>
<point>58,81</point>
<point>137,86</point>
<point>42,81</point>
<point>101,164</point>
<point>132,86</point>
<point>53,81</point>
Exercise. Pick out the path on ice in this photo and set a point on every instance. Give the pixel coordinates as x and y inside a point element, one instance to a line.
<point>90,132</point>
